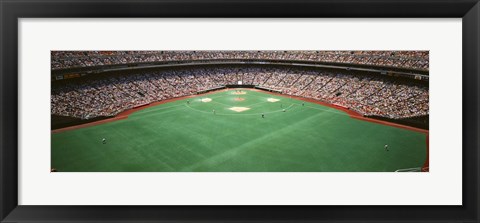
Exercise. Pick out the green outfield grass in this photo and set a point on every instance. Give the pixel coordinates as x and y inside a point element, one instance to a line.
<point>187,137</point>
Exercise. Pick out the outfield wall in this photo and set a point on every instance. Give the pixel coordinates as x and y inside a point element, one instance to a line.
<point>210,90</point>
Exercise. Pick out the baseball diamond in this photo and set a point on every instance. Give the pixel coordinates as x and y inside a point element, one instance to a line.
<point>177,136</point>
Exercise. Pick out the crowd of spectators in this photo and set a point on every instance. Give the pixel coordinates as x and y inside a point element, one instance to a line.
<point>108,95</point>
<point>398,59</point>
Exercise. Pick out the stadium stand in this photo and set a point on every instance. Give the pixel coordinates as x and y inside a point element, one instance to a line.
<point>111,93</point>
<point>395,59</point>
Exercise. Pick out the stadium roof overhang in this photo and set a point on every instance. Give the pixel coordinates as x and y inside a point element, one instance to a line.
<point>81,71</point>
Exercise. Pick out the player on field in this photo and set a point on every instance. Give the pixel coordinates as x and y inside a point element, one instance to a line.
<point>284,110</point>
<point>104,141</point>
<point>303,103</point>
<point>386,147</point>
<point>263,115</point>
<point>188,101</point>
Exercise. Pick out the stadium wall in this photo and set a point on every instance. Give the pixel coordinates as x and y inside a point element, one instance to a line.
<point>58,122</point>
<point>418,122</point>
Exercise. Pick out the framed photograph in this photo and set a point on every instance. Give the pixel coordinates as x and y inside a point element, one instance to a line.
<point>239,111</point>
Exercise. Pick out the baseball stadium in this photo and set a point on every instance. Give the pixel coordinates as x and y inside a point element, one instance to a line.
<point>239,111</point>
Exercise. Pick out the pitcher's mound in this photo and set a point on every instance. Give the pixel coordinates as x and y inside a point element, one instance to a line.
<point>239,99</point>
<point>206,99</point>
<point>239,109</point>
<point>273,100</point>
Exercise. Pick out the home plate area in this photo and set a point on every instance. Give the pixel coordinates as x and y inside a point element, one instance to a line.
<point>206,99</point>
<point>239,92</point>
<point>273,100</point>
<point>239,109</point>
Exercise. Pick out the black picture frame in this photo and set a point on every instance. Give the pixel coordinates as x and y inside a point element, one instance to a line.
<point>11,11</point>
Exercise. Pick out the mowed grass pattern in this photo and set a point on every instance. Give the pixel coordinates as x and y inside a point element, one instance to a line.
<point>187,137</point>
